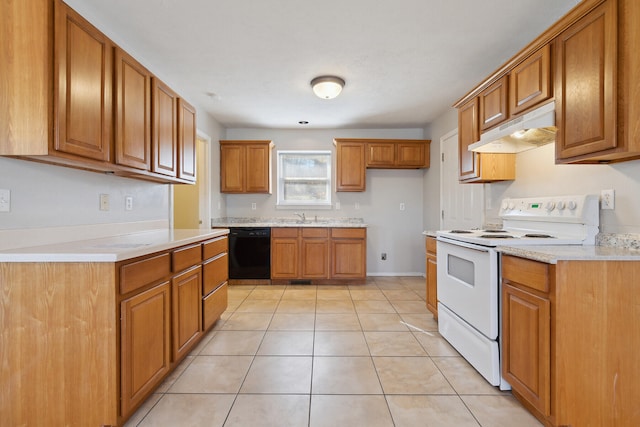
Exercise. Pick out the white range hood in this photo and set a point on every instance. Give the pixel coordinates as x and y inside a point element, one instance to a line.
<point>530,130</point>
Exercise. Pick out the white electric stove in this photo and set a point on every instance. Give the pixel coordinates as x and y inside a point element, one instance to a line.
<point>469,269</point>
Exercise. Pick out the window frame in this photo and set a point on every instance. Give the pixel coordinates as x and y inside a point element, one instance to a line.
<point>321,204</point>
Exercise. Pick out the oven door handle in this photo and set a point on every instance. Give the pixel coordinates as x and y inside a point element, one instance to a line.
<point>463,244</point>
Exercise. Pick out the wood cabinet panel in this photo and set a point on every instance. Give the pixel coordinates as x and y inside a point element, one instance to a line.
<point>526,346</point>
<point>215,272</point>
<point>164,129</point>
<point>186,141</point>
<point>493,105</point>
<point>468,133</point>
<point>284,256</point>
<point>213,305</point>
<point>133,112</point>
<point>186,257</point>
<point>145,350</point>
<point>381,154</point>
<point>82,87</point>
<point>186,309</point>
<point>585,87</point>
<point>413,154</point>
<point>350,166</point>
<point>533,274</point>
<point>431,276</point>
<point>348,253</point>
<point>144,271</point>
<point>214,247</point>
<point>245,166</point>
<point>530,81</point>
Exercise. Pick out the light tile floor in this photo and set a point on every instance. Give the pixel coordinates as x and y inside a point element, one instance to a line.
<point>359,355</point>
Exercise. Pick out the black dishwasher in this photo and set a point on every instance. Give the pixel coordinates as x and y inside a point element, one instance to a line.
<point>249,253</point>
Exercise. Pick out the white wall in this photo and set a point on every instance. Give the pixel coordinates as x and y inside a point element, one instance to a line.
<point>389,230</point>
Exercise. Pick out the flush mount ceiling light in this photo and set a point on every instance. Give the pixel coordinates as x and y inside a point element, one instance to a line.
<point>327,87</point>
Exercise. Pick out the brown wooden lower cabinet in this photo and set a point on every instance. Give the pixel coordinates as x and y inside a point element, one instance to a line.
<point>85,343</point>
<point>318,253</point>
<point>432,275</point>
<point>570,343</point>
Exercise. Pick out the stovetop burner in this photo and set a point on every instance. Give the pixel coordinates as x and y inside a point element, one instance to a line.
<point>460,231</point>
<point>496,236</point>
<point>494,231</point>
<point>539,236</point>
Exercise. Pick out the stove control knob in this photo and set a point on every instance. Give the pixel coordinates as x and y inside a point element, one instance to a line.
<point>560,206</point>
<point>550,206</point>
<point>572,205</point>
<point>512,205</point>
<point>505,206</point>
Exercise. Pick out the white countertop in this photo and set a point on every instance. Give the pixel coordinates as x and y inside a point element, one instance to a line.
<point>110,249</point>
<point>553,254</point>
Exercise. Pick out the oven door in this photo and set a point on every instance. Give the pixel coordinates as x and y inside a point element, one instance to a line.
<point>468,284</point>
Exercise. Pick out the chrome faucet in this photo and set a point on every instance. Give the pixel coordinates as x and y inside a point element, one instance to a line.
<point>302,217</point>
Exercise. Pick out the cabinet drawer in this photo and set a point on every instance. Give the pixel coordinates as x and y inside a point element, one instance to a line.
<point>213,247</point>
<point>284,232</point>
<point>532,274</point>
<point>431,245</point>
<point>348,233</point>
<point>186,257</point>
<point>213,305</point>
<point>216,271</point>
<point>315,232</point>
<point>140,273</point>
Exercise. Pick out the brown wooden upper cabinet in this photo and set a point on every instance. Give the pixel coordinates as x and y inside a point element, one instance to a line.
<point>350,165</point>
<point>479,167</point>
<point>74,98</point>
<point>530,81</point>
<point>164,129</point>
<point>133,112</point>
<point>597,79</point>
<point>355,155</point>
<point>588,62</point>
<point>493,104</point>
<point>186,141</point>
<point>245,166</point>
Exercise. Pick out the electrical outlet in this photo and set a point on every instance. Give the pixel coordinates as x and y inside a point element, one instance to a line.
<point>607,199</point>
<point>357,206</point>
<point>337,206</point>
<point>104,202</point>
<point>5,200</point>
<point>383,256</point>
<point>401,206</point>
<point>253,206</point>
<point>128,203</point>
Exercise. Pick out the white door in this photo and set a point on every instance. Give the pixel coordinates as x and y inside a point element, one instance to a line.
<point>462,205</point>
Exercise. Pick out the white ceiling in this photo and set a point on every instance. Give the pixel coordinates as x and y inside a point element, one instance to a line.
<point>249,62</point>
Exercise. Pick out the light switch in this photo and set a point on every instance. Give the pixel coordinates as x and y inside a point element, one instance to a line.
<point>104,202</point>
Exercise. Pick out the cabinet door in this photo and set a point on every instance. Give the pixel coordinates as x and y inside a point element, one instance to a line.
<point>164,129</point>
<point>412,155</point>
<point>258,168</point>
<point>284,253</point>
<point>145,336</point>
<point>381,154</point>
<point>314,253</point>
<point>186,141</point>
<point>187,310</point>
<point>82,87</point>
<point>493,104</point>
<point>350,166</point>
<point>585,85</point>
<point>348,253</point>
<point>133,112</point>
<point>526,326</point>
<point>530,81</point>
<point>432,276</point>
<point>232,166</point>
<point>468,133</point>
